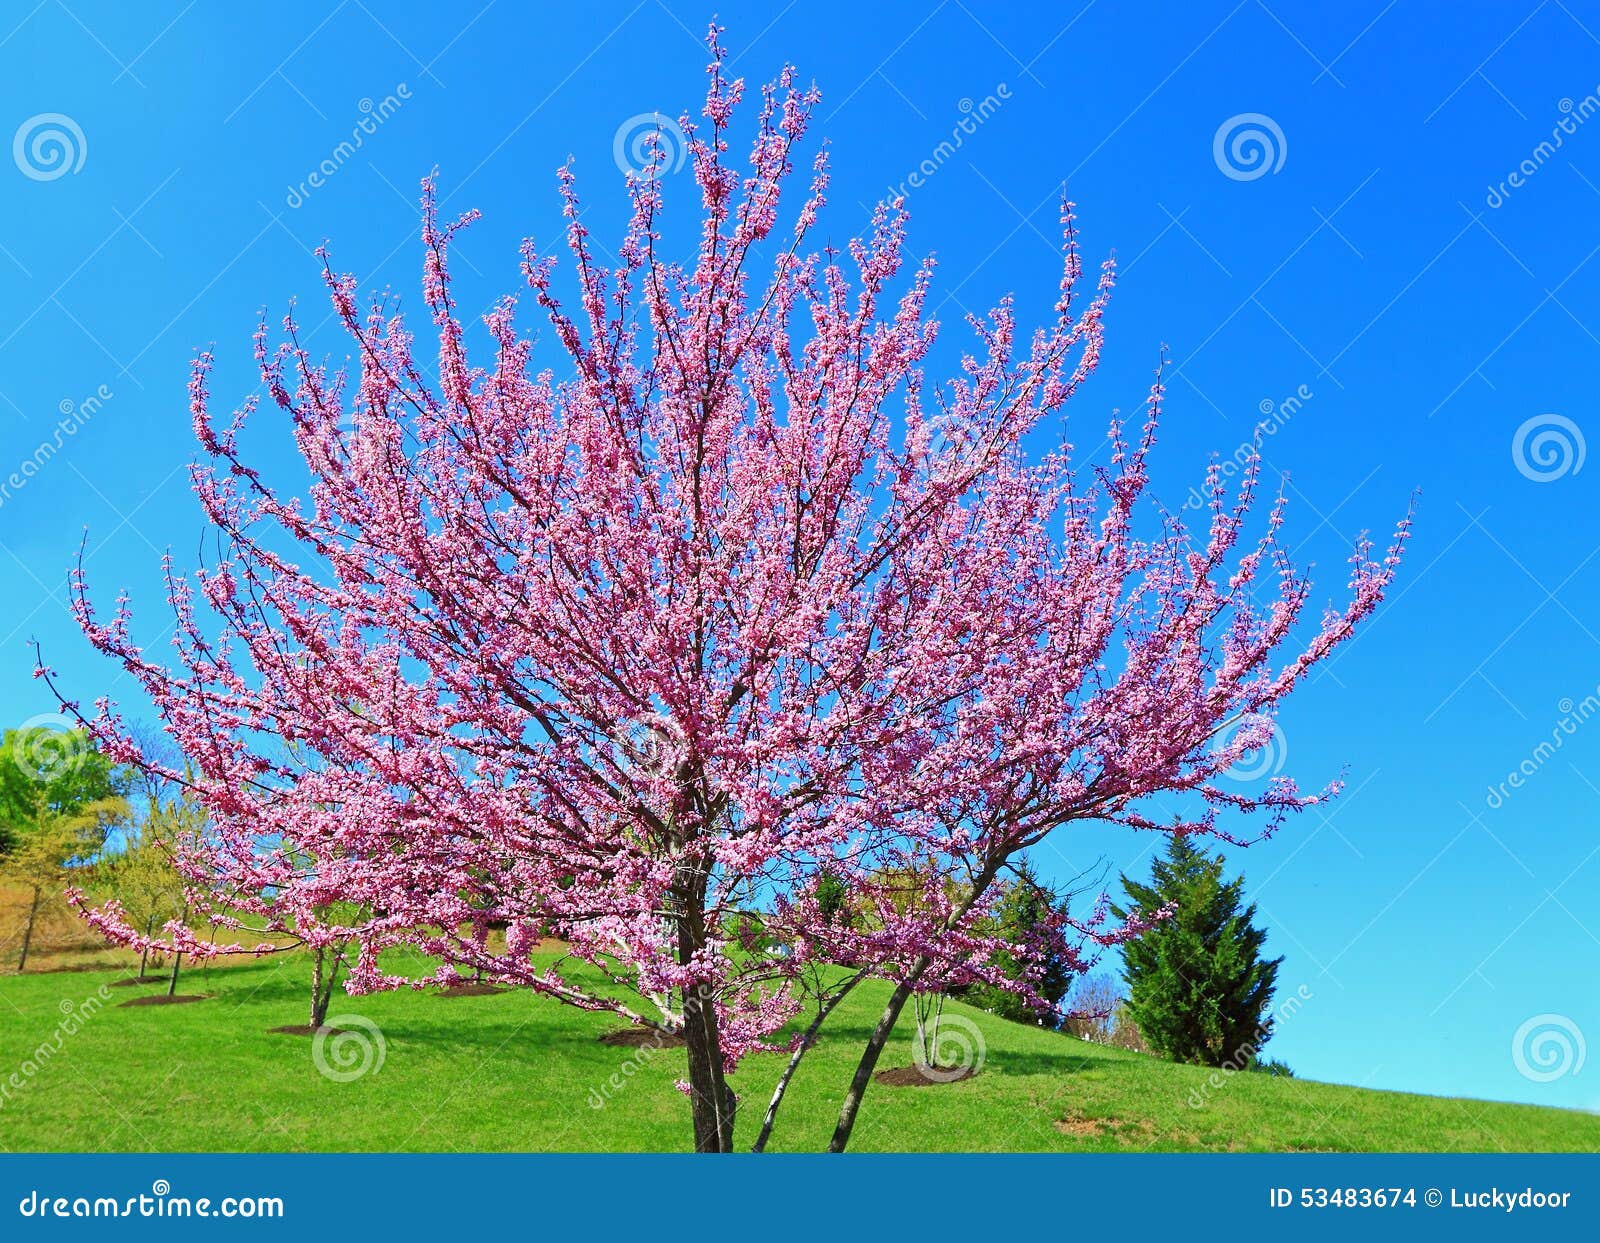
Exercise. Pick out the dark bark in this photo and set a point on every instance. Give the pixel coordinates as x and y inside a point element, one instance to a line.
<point>27,933</point>
<point>711,1100</point>
<point>319,998</point>
<point>325,965</point>
<point>869,1061</point>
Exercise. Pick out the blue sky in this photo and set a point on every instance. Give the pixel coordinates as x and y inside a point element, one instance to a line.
<point>1387,272</point>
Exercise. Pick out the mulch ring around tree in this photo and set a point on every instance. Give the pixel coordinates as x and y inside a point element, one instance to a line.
<point>472,988</point>
<point>305,1029</point>
<point>163,1000</point>
<point>641,1038</point>
<point>923,1076</point>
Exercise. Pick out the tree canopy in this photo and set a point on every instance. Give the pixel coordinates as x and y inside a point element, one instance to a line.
<point>737,594</point>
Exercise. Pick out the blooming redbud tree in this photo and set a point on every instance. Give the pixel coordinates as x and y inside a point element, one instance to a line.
<point>632,651</point>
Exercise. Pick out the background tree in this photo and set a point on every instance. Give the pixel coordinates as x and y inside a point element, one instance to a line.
<point>59,800</point>
<point>1199,989</point>
<point>742,598</point>
<point>1099,1012</point>
<point>143,895</point>
<point>1023,919</point>
<point>171,830</point>
<point>138,869</point>
<point>139,873</point>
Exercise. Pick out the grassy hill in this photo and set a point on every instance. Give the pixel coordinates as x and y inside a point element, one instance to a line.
<point>511,1072</point>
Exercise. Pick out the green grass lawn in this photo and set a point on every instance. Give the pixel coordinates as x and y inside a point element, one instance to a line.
<point>512,1072</point>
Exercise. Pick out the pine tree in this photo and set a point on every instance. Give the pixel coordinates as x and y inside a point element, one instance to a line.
<point>1198,986</point>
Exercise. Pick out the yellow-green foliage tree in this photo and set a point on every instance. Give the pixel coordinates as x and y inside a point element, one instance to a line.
<point>59,801</point>
<point>141,874</point>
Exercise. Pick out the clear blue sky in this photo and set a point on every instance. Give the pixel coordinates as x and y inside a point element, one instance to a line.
<point>1387,268</point>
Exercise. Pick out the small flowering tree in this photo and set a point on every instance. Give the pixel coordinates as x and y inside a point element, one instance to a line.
<point>736,600</point>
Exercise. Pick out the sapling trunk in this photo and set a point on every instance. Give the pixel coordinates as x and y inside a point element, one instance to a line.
<point>144,951</point>
<point>319,1000</point>
<point>928,1029</point>
<point>324,975</point>
<point>177,961</point>
<point>27,933</point>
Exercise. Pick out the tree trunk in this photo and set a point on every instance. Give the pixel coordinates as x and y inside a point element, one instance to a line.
<point>177,961</point>
<point>319,999</point>
<point>324,975</point>
<point>928,1032</point>
<point>144,952</point>
<point>806,1041</point>
<point>27,933</point>
<point>869,1061</point>
<point>711,1100</point>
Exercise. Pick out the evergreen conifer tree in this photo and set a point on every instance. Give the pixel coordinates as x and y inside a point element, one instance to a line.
<point>1198,986</point>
